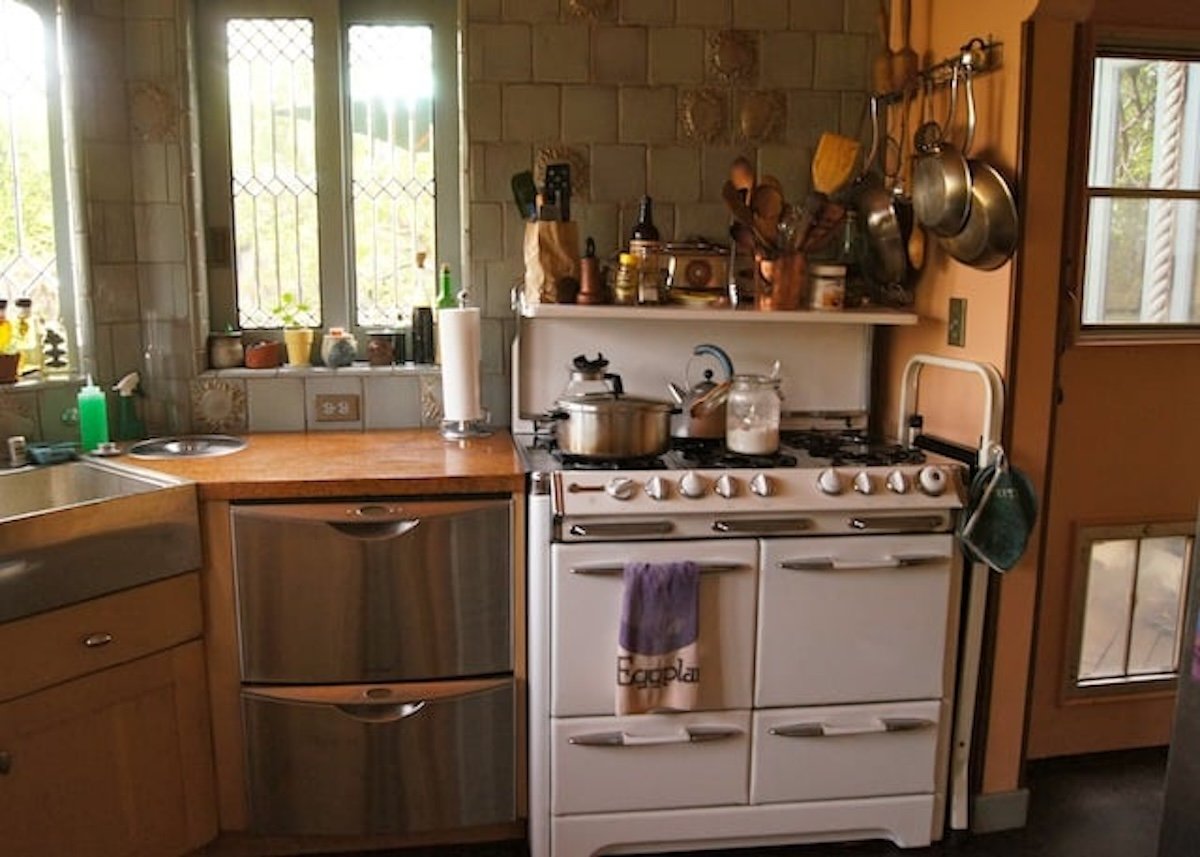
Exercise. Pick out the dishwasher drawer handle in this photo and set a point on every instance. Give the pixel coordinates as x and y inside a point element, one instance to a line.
<point>900,524</point>
<point>762,525</point>
<point>98,640</point>
<point>643,528</point>
<point>688,735</point>
<point>375,531</point>
<point>833,730</point>
<point>705,568</point>
<point>390,713</point>
<point>828,563</point>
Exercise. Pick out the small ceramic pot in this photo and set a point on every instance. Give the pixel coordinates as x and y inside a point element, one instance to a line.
<point>225,350</point>
<point>299,342</point>
<point>264,355</point>
<point>381,348</point>
<point>338,349</point>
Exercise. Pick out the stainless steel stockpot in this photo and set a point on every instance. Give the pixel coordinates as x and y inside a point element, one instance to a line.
<point>612,425</point>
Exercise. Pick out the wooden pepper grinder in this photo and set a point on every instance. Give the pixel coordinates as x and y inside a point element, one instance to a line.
<point>591,288</point>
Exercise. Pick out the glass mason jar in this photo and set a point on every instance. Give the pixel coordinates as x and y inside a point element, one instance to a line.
<point>752,415</point>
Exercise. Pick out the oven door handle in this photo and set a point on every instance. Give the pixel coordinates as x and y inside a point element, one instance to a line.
<point>762,525</point>
<point>705,568</point>
<point>828,563</point>
<point>833,730</point>
<point>689,735</point>
<point>900,523</point>
<point>627,528</point>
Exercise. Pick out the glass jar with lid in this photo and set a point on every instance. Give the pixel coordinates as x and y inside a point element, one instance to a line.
<point>752,415</point>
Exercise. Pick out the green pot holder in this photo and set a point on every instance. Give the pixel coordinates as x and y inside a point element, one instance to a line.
<point>999,517</point>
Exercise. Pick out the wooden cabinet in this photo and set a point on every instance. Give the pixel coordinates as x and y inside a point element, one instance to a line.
<point>116,763</point>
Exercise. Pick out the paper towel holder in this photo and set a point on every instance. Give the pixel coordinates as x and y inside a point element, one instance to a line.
<point>465,429</point>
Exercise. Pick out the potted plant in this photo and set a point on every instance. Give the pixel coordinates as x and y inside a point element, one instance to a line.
<point>299,339</point>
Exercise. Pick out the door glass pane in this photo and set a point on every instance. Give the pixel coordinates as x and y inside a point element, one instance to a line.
<point>1141,265</point>
<point>272,141</point>
<point>1154,640</point>
<point>1110,578</point>
<point>392,138</point>
<point>28,255</point>
<point>1141,113</point>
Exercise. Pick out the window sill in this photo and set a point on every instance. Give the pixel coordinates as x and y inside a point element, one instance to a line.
<point>358,369</point>
<point>37,382</point>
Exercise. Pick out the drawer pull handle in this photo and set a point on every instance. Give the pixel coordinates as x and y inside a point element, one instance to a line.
<point>5,762</point>
<point>375,531</point>
<point>762,525</point>
<point>647,528</point>
<point>705,568</point>
<point>833,730</point>
<point>689,735</point>
<point>827,563</point>
<point>899,524</point>
<point>381,713</point>
<point>95,641</point>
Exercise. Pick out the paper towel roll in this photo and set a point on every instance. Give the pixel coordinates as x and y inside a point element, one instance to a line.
<point>458,340</point>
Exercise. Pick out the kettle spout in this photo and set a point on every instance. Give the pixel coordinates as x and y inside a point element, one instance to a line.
<point>677,393</point>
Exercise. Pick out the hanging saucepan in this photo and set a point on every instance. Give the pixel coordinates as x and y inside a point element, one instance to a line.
<point>990,235</point>
<point>885,260</point>
<point>941,177</point>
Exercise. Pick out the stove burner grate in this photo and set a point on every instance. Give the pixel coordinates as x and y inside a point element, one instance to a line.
<point>582,462</point>
<point>717,456</point>
<point>851,447</point>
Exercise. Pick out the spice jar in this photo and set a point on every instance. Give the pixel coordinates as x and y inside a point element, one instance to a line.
<point>828,286</point>
<point>752,415</point>
<point>625,281</point>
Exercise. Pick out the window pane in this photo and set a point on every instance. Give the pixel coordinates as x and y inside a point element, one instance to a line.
<point>28,256</point>
<point>1154,643</point>
<point>1141,265</point>
<point>272,141</point>
<point>1143,124</point>
<point>1110,579</point>
<point>391,120</point>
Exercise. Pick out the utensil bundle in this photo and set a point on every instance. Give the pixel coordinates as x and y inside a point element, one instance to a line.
<point>767,225</point>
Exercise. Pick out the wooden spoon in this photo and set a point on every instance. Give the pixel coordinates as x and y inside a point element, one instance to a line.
<point>767,204</point>
<point>881,65</point>
<point>743,215</point>
<point>904,61</point>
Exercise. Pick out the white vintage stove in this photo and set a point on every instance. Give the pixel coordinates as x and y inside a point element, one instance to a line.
<point>830,603</point>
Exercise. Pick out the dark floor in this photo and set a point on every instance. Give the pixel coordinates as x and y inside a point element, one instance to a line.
<point>1106,805</point>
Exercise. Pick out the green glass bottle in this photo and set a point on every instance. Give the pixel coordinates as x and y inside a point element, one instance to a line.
<point>446,298</point>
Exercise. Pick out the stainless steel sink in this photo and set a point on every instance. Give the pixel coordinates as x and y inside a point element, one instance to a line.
<point>74,531</point>
<point>187,446</point>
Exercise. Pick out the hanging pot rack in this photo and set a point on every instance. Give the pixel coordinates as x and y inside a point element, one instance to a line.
<point>980,56</point>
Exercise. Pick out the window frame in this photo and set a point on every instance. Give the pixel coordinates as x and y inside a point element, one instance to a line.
<point>331,23</point>
<point>63,192</point>
<point>1090,333</point>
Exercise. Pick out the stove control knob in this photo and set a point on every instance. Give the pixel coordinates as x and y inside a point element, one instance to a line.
<point>762,485</point>
<point>657,488</point>
<point>620,488</point>
<point>931,481</point>
<point>726,486</point>
<point>863,483</point>
<point>829,482</point>
<point>692,485</point>
<point>897,482</point>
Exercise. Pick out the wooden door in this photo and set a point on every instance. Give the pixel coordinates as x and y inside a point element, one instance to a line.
<point>1125,471</point>
<point>115,764</point>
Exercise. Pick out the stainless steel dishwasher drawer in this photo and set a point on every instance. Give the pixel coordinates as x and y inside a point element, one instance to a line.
<point>373,591</point>
<point>433,757</point>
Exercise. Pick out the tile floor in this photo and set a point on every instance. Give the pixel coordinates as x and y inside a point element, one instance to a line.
<point>1106,805</point>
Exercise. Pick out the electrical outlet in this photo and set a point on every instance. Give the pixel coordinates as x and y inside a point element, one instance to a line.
<point>337,408</point>
<point>956,330</point>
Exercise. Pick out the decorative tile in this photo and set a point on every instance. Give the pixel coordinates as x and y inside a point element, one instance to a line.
<point>733,56</point>
<point>431,400</point>
<point>219,405</point>
<point>703,115</point>
<point>563,155</point>
<point>153,113</point>
<point>592,10</point>
<point>762,116</point>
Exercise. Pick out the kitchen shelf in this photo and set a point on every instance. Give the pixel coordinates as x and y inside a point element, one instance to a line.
<point>874,315</point>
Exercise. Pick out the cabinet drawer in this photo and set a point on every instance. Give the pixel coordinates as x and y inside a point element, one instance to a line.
<point>83,638</point>
<point>650,761</point>
<point>848,751</point>
<point>586,615</point>
<point>347,760</point>
<point>853,620</point>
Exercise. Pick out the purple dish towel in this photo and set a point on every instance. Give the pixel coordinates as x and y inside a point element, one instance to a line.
<point>660,610</point>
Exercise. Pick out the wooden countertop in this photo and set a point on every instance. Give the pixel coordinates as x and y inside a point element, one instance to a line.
<point>351,464</point>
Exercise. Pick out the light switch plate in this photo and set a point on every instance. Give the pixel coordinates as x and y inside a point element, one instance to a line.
<point>337,408</point>
<point>956,329</point>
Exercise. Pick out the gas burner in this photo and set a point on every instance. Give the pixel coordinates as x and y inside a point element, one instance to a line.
<point>714,454</point>
<point>579,462</point>
<point>851,447</point>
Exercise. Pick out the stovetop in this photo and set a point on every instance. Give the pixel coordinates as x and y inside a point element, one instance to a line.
<point>798,449</point>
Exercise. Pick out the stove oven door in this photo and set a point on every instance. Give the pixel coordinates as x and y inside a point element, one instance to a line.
<point>854,619</point>
<point>586,613</point>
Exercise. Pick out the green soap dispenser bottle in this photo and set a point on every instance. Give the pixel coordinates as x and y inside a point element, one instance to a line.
<point>129,425</point>
<point>93,416</point>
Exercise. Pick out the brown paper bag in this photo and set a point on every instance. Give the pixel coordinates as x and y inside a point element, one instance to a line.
<point>551,255</point>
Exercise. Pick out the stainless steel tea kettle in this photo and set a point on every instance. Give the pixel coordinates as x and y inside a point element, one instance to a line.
<point>706,422</point>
